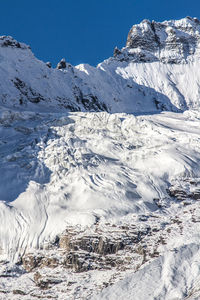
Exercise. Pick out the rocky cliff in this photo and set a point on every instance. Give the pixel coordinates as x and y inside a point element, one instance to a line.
<point>168,42</point>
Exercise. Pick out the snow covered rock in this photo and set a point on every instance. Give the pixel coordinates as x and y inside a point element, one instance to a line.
<point>62,64</point>
<point>168,42</point>
<point>29,84</point>
<point>8,41</point>
<point>48,64</point>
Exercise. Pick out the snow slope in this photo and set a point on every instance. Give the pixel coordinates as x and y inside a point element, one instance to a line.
<point>61,170</point>
<point>172,276</point>
<point>84,147</point>
<point>71,171</point>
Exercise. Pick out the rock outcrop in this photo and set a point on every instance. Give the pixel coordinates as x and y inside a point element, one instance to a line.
<point>82,252</point>
<point>10,42</point>
<point>62,64</point>
<point>167,42</point>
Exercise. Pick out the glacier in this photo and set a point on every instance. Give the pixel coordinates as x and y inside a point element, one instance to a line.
<point>102,163</point>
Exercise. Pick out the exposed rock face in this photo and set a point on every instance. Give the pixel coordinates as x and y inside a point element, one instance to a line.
<point>30,83</point>
<point>91,244</point>
<point>26,92</point>
<point>143,36</point>
<point>8,41</point>
<point>19,292</point>
<point>81,252</point>
<point>30,262</point>
<point>169,41</point>
<point>186,190</point>
<point>43,282</point>
<point>48,64</point>
<point>62,64</point>
<point>116,52</point>
<point>64,267</point>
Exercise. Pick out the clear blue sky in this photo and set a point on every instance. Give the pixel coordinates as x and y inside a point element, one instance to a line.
<point>83,30</point>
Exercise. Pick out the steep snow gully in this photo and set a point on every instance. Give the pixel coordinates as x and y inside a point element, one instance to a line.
<point>91,153</point>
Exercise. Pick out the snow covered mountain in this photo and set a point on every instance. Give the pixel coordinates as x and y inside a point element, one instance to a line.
<point>100,176</point>
<point>158,69</point>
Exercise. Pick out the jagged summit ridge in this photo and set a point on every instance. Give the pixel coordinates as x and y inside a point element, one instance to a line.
<point>9,41</point>
<point>169,42</point>
<point>127,82</point>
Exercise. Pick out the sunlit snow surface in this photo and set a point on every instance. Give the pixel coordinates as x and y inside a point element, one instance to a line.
<point>59,170</point>
<point>103,170</point>
<point>171,277</point>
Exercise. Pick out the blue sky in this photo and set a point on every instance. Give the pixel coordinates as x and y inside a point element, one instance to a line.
<point>83,31</point>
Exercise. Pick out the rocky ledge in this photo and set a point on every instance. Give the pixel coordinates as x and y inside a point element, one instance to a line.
<point>88,250</point>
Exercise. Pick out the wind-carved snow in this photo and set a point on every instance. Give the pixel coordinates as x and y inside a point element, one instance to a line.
<point>68,170</point>
<point>92,148</point>
<point>74,169</point>
<point>172,276</point>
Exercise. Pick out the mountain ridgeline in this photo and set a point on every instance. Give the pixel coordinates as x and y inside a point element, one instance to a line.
<point>156,70</point>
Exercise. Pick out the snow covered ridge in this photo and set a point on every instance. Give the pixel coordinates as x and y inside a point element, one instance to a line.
<point>157,70</point>
<point>8,41</point>
<point>168,42</point>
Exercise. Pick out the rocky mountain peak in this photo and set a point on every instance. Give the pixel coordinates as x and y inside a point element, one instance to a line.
<point>8,41</point>
<point>171,41</point>
<point>28,83</point>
